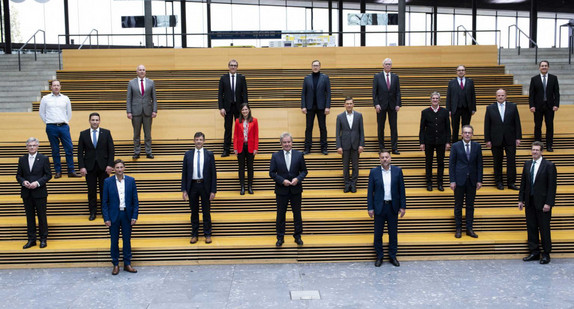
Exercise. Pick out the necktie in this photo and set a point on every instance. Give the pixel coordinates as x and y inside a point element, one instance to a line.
<point>31,160</point>
<point>467,151</point>
<point>544,86</point>
<point>142,86</point>
<point>501,107</point>
<point>199,164</point>
<point>388,82</point>
<point>95,137</point>
<point>532,172</point>
<point>288,160</point>
<point>233,86</point>
<point>461,84</point>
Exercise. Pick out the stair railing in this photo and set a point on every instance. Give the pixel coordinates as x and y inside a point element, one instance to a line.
<point>35,47</point>
<point>517,34</point>
<point>89,37</point>
<point>466,33</point>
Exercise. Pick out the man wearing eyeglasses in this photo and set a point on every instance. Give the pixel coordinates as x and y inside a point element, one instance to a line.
<point>232,93</point>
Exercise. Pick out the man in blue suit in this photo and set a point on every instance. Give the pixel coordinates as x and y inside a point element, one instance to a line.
<point>316,100</point>
<point>386,199</point>
<point>288,169</point>
<point>465,173</point>
<point>199,179</point>
<point>120,210</point>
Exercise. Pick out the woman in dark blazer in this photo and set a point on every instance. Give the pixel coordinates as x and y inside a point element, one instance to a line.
<point>245,145</point>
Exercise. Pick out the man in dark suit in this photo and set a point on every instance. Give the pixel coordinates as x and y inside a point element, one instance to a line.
<point>120,206</point>
<point>350,139</point>
<point>141,108</point>
<point>387,101</point>
<point>316,100</point>
<point>537,194</point>
<point>33,174</point>
<point>544,100</point>
<point>465,173</point>
<point>434,135</point>
<point>288,169</point>
<point>502,132</point>
<point>386,199</point>
<point>460,100</point>
<point>199,180</point>
<point>232,93</point>
<point>95,159</point>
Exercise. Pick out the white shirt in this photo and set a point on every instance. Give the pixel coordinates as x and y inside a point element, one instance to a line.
<point>387,183</point>
<point>536,166</point>
<point>288,155</point>
<point>31,160</point>
<point>55,109</point>
<point>350,118</point>
<point>201,159</point>
<point>92,134</point>
<point>501,109</point>
<point>121,185</point>
<point>435,110</point>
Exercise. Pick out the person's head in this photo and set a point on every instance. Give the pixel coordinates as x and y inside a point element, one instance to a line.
<point>140,70</point>
<point>119,167</point>
<point>460,71</point>
<point>467,132</point>
<point>543,66</point>
<point>349,104</point>
<point>199,139</point>
<point>32,145</point>
<point>233,65</point>
<point>435,99</point>
<point>385,157</point>
<point>316,66</point>
<point>387,65</point>
<point>537,148</point>
<point>56,87</point>
<point>286,141</point>
<point>500,95</point>
<point>246,112</point>
<point>94,120</point>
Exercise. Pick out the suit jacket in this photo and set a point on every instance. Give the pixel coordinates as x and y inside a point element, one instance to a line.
<point>252,136</point>
<point>209,171</point>
<point>323,92</point>
<point>459,166</point>
<point>454,95</point>
<point>111,202</point>
<point>501,133</point>
<point>137,104</point>
<point>225,94</point>
<point>278,172</point>
<point>435,127</point>
<point>102,154</point>
<point>544,189</point>
<point>376,190</point>
<point>40,173</point>
<point>347,137</point>
<point>536,92</point>
<point>386,98</point>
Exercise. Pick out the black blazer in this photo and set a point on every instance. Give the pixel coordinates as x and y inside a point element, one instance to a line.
<point>209,171</point>
<point>347,137</point>
<point>544,186</point>
<point>40,172</point>
<point>278,172</point>
<point>435,127</point>
<point>454,94</point>
<point>225,95</point>
<point>323,92</point>
<point>103,154</point>
<point>502,133</point>
<point>536,92</point>
<point>459,167</point>
<point>386,97</point>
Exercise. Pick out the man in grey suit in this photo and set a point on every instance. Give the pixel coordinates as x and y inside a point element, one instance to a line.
<point>350,138</point>
<point>141,108</point>
<point>316,100</point>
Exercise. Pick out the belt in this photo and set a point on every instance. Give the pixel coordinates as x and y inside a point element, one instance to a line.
<point>388,202</point>
<point>122,209</point>
<point>197,180</point>
<point>57,124</point>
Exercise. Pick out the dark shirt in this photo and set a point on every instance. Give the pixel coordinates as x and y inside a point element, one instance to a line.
<point>315,82</point>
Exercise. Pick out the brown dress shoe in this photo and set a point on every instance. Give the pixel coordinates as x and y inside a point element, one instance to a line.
<point>193,240</point>
<point>208,239</point>
<point>130,269</point>
<point>116,270</point>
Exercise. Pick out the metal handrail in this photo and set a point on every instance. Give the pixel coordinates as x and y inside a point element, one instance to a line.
<point>89,36</point>
<point>517,41</point>
<point>570,42</point>
<point>32,37</point>
<point>466,32</point>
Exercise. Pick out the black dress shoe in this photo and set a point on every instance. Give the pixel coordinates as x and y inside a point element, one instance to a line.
<point>458,233</point>
<point>531,257</point>
<point>396,151</point>
<point>471,233</point>
<point>250,189</point>
<point>92,217</point>
<point>512,187</point>
<point>395,262</point>
<point>149,156</point>
<point>545,259</point>
<point>299,241</point>
<point>29,244</point>
<point>429,187</point>
<point>549,149</point>
<point>135,156</point>
<point>306,152</point>
<point>242,191</point>
<point>440,187</point>
<point>378,262</point>
<point>279,242</point>
<point>500,186</point>
<point>353,188</point>
<point>225,153</point>
<point>74,175</point>
<point>325,151</point>
<point>347,188</point>
<point>58,175</point>
<point>43,243</point>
